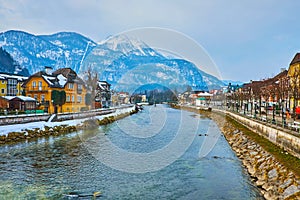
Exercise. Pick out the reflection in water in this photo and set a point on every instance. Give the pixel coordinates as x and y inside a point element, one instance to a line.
<point>51,167</point>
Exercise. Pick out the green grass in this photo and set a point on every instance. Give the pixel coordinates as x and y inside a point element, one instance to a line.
<point>287,160</point>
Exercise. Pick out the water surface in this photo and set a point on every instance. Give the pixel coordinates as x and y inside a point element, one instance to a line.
<point>51,167</point>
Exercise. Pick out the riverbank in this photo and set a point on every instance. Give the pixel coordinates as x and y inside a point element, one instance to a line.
<point>33,130</point>
<point>274,171</point>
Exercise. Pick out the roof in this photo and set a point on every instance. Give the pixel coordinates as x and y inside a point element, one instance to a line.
<point>22,98</point>
<point>104,83</point>
<point>59,78</point>
<point>4,76</point>
<point>205,94</point>
<point>8,97</point>
<point>296,59</point>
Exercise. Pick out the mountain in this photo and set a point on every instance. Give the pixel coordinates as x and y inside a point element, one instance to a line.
<point>126,63</point>
<point>9,65</point>
<point>129,64</point>
<point>33,52</point>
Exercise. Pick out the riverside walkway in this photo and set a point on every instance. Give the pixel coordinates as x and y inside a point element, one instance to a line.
<point>287,124</point>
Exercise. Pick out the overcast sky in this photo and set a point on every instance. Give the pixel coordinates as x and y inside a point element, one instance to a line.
<point>248,40</point>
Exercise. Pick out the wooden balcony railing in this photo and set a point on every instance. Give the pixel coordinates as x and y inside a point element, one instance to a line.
<point>38,88</point>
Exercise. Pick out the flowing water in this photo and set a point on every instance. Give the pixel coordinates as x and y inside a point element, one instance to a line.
<point>82,162</point>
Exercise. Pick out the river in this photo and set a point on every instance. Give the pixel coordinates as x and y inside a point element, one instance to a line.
<point>150,155</point>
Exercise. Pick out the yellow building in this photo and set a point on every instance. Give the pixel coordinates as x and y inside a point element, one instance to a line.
<point>294,77</point>
<point>41,85</point>
<point>11,84</point>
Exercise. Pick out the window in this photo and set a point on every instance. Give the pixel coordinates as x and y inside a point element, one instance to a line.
<point>33,84</point>
<point>73,98</point>
<point>70,85</point>
<point>68,98</point>
<point>40,85</point>
<point>79,99</point>
<point>79,87</point>
<point>35,96</point>
<point>42,97</point>
<point>11,87</point>
<point>3,81</point>
<point>2,91</point>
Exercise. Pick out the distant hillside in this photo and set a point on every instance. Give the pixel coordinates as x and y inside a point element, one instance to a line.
<point>9,65</point>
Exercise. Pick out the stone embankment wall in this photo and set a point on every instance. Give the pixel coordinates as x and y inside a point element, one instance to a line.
<point>108,116</point>
<point>273,179</point>
<point>283,138</point>
<point>20,119</point>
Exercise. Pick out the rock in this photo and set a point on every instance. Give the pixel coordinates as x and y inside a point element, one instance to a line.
<point>291,190</point>
<point>2,137</point>
<point>262,165</point>
<point>251,170</point>
<point>272,174</point>
<point>267,187</point>
<point>253,153</point>
<point>260,182</point>
<point>286,184</point>
<point>260,160</point>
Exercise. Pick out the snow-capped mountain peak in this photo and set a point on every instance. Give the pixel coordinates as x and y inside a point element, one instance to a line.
<point>126,45</point>
<point>33,52</point>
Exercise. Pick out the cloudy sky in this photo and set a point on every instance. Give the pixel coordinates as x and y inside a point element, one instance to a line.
<point>248,40</point>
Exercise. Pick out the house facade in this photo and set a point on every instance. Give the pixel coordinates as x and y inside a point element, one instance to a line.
<point>41,85</point>
<point>11,84</point>
<point>294,80</point>
<point>103,95</point>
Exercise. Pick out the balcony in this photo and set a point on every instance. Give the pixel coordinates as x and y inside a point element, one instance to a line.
<point>38,89</point>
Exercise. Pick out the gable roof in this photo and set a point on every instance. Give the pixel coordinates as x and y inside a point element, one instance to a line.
<point>69,74</point>
<point>58,78</point>
<point>21,98</point>
<point>4,76</point>
<point>296,59</point>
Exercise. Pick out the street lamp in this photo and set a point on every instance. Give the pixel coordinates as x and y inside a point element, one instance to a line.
<point>273,106</point>
<point>283,110</point>
<point>255,105</point>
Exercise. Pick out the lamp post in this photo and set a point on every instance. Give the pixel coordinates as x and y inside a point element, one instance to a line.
<point>255,105</point>
<point>273,107</point>
<point>283,114</point>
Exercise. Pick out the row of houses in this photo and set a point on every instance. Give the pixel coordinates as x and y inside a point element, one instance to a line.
<point>52,91</point>
<point>281,92</point>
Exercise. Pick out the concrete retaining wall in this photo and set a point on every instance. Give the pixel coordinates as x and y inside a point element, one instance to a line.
<point>19,119</point>
<point>86,114</point>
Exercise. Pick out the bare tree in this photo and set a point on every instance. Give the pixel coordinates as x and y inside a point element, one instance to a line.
<point>91,80</point>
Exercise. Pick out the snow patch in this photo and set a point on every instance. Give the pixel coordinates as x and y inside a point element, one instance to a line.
<point>62,80</point>
<point>49,79</point>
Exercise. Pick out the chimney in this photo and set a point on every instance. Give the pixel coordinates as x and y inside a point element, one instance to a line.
<point>282,69</point>
<point>48,70</point>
